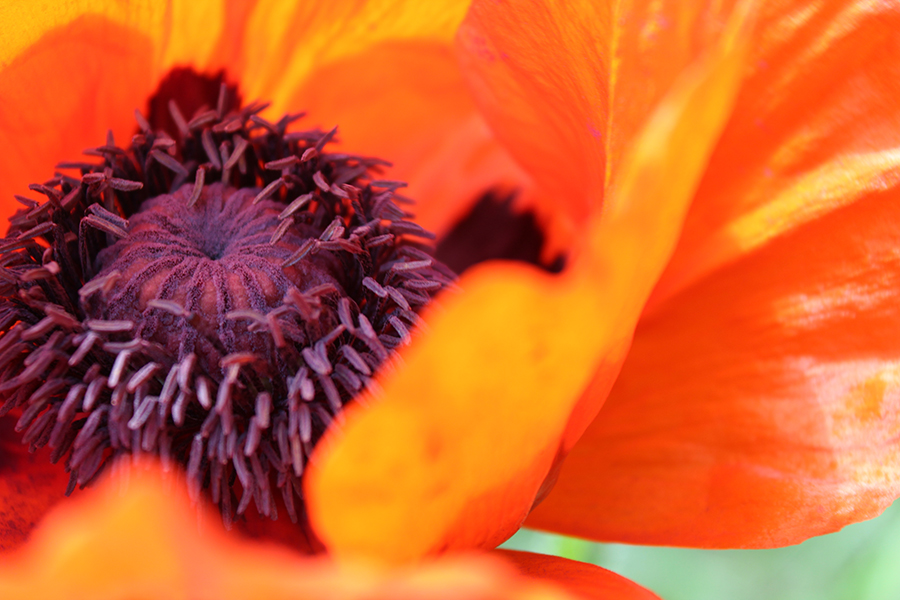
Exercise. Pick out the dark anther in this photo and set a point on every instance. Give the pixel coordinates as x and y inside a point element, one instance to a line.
<point>492,230</point>
<point>213,292</point>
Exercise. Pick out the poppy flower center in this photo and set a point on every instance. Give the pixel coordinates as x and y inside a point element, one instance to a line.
<point>214,259</point>
<point>214,293</point>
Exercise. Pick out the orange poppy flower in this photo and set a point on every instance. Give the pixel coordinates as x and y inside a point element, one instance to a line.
<point>755,405</point>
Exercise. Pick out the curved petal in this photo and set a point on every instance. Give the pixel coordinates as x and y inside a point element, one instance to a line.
<point>651,43</point>
<point>406,102</point>
<point>43,122</point>
<point>29,486</point>
<point>757,408</point>
<point>69,75</point>
<point>520,59</point>
<point>285,40</point>
<point>582,579</point>
<point>180,31</point>
<point>629,54</point>
<point>455,451</point>
<point>816,127</point>
<point>137,536</point>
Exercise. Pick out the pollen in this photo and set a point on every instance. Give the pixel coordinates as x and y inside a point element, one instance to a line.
<point>212,294</point>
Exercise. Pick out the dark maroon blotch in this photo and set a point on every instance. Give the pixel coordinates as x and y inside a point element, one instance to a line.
<point>493,229</point>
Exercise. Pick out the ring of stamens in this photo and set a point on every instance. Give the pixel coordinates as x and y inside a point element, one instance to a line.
<point>229,352</point>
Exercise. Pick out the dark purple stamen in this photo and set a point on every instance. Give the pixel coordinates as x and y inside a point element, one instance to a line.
<point>213,295</point>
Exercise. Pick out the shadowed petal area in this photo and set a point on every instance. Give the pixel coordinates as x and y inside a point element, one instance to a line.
<point>452,455</point>
<point>407,102</point>
<point>29,486</point>
<point>302,36</point>
<point>137,536</point>
<point>582,579</point>
<point>757,408</point>
<point>815,128</point>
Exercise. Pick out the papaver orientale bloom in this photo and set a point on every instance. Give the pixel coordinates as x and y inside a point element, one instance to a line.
<point>724,174</point>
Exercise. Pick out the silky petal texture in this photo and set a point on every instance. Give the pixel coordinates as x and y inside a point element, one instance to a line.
<point>814,131</point>
<point>423,467</point>
<point>29,486</point>
<point>651,42</point>
<point>138,536</point>
<point>816,127</point>
<point>526,61</point>
<point>69,75</point>
<point>582,579</point>
<point>303,36</point>
<point>768,399</point>
<point>629,54</point>
<point>407,102</point>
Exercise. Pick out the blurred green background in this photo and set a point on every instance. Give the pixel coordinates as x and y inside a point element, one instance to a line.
<point>860,562</point>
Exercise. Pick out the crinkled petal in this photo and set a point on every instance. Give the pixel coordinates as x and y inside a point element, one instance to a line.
<point>454,451</point>
<point>406,101</point>
<point>137,536</point>
<point>757,408</point>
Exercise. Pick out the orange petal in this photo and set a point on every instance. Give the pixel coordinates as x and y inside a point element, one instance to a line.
<point>581,579</point>
<point>454,453</point>
<point>137,536</point>
<point>541,80</point>
<point>29,486</point>
<point>180,31</point>
<point>46,117</point>
<point>816,127</point>
<point>650,43</point>
<point>758,407</point>
<point>286,40</point>
<point>70,74</point>
<point>197,32</point>
<point>603,68</point>
<point>406,102</point>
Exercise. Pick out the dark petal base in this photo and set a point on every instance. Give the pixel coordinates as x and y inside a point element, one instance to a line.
<point>492,230</point>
